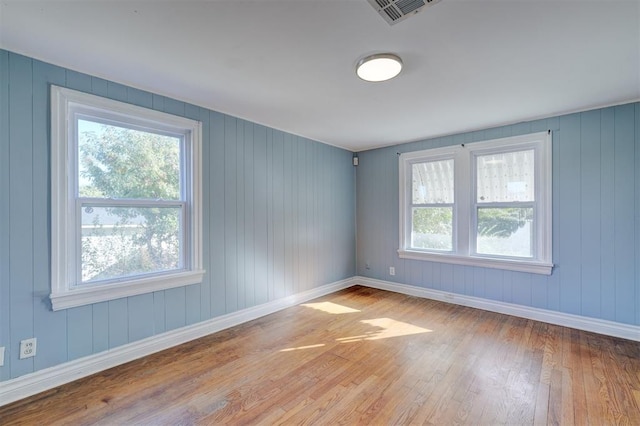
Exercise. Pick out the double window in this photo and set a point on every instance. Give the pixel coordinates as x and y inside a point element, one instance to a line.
<point>125,199</point>
<point>480,204</point>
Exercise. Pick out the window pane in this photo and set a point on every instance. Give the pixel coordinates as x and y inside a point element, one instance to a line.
<point>433,182</point>
<point>505,231</point>
<point>505,177</point>
<point>117,162</point>
<point>123,241</point>
<point>432,228</point>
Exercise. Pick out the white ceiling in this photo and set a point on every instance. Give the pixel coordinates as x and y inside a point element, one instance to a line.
<point>289,64</point>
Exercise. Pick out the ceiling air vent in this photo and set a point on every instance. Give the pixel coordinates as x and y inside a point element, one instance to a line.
<point>394,11</point>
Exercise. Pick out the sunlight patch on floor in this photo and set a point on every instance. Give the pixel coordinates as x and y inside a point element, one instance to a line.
<point>299,348</point>
<point>330,308</point>
<point>389,328</point>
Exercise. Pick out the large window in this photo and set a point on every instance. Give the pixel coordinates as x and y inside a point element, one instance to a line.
<point>125,200</point>
<point>481,204</point>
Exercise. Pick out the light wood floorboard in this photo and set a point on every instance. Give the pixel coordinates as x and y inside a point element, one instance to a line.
<point>363,356</point>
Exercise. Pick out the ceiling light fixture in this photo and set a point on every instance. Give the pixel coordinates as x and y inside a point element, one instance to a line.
<point>379,67</point>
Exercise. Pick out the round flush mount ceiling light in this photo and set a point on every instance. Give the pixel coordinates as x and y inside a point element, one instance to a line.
<point>379,67</point>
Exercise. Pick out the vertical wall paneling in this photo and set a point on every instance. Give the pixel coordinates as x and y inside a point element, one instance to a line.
<point>118,322</point>
<point>606,215</point>
<point>377,245</point>
<point>595,220</point>
<point>522,293</point>
<point>569,251</point>
<point>240,234</point>
<point>159,317</point>
<point>493,288</point>
<point>80,331</point>
<point>295,215</point>
<point>318,216</point>
<point>78,81</point>
<point>20,208</point>
<point>458,282</point>
<point>269,210</point>
<point>205,288</point>
<point>446,277</point>
<point>288,213</point>
<point>193,298</point>
<point>303,202</point>
<point>539,284</point>
<point>590,178</point>
<point>230,215</point>
<point>117,91</point>
<point>260,216</point>
<point>478,282</point>
<point>391,188</point>
<point>625,210</point>
<point>216,188</point>
<point>140,316</point>
<point>265,195</point>
<point>172,106</point>
<point>553,281</point>
<point>249,231</point>
<point>340,245</point>
<point>194,293</point>
<point>175,308</point>
<point>469,280</point>
<point>311,215</point>
<point>363,196</point>
<point>157,100</point>
<point>100,332</point>
<point>436,275</point>
<point>347,227</point>
<point>5,229</point>
<point>99,87</point>
<point>637,211</point>
<point>140,98</point>
<point>175,298</point>
<point>278,214</point>
<point>49,327</point>
<point>328,215</point>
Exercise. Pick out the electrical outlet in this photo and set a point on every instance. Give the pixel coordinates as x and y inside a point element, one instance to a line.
<point>27,348</point>
<point>392,270</point>
<point>1,356</point>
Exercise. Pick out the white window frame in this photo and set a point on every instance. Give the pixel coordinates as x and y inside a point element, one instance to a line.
<point>464,216</point>
<point>67,291</point>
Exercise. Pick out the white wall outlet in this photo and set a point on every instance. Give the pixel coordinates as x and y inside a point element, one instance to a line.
<point>1,356</point>
<point>27,348</point>
<point>392,270</point>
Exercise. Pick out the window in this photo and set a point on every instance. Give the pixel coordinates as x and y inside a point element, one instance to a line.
<point>481,204</point>
<point>126,191</point>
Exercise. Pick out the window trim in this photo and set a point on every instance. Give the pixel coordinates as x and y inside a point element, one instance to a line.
<point>65,291</point>
<point>464,182</point>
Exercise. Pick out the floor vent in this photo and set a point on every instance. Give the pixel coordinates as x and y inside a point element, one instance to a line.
<point>394,11</point>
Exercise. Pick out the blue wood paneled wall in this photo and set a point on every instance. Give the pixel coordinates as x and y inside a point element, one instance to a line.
<point>596,220</point>
<point>279,218</point>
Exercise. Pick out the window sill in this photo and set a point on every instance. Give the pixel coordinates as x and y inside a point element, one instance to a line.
<point>484,262</point>
<point>100,293</point>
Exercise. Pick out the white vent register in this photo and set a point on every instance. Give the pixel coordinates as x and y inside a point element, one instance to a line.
<point>394,11</point>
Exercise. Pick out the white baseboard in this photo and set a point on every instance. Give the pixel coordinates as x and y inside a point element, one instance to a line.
<point>42,380</point>
<point>610,328</point>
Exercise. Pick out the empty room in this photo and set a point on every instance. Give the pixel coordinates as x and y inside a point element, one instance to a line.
<point>326,212</point>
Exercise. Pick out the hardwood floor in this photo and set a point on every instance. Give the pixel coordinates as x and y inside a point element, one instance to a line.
<point>363,356</point>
